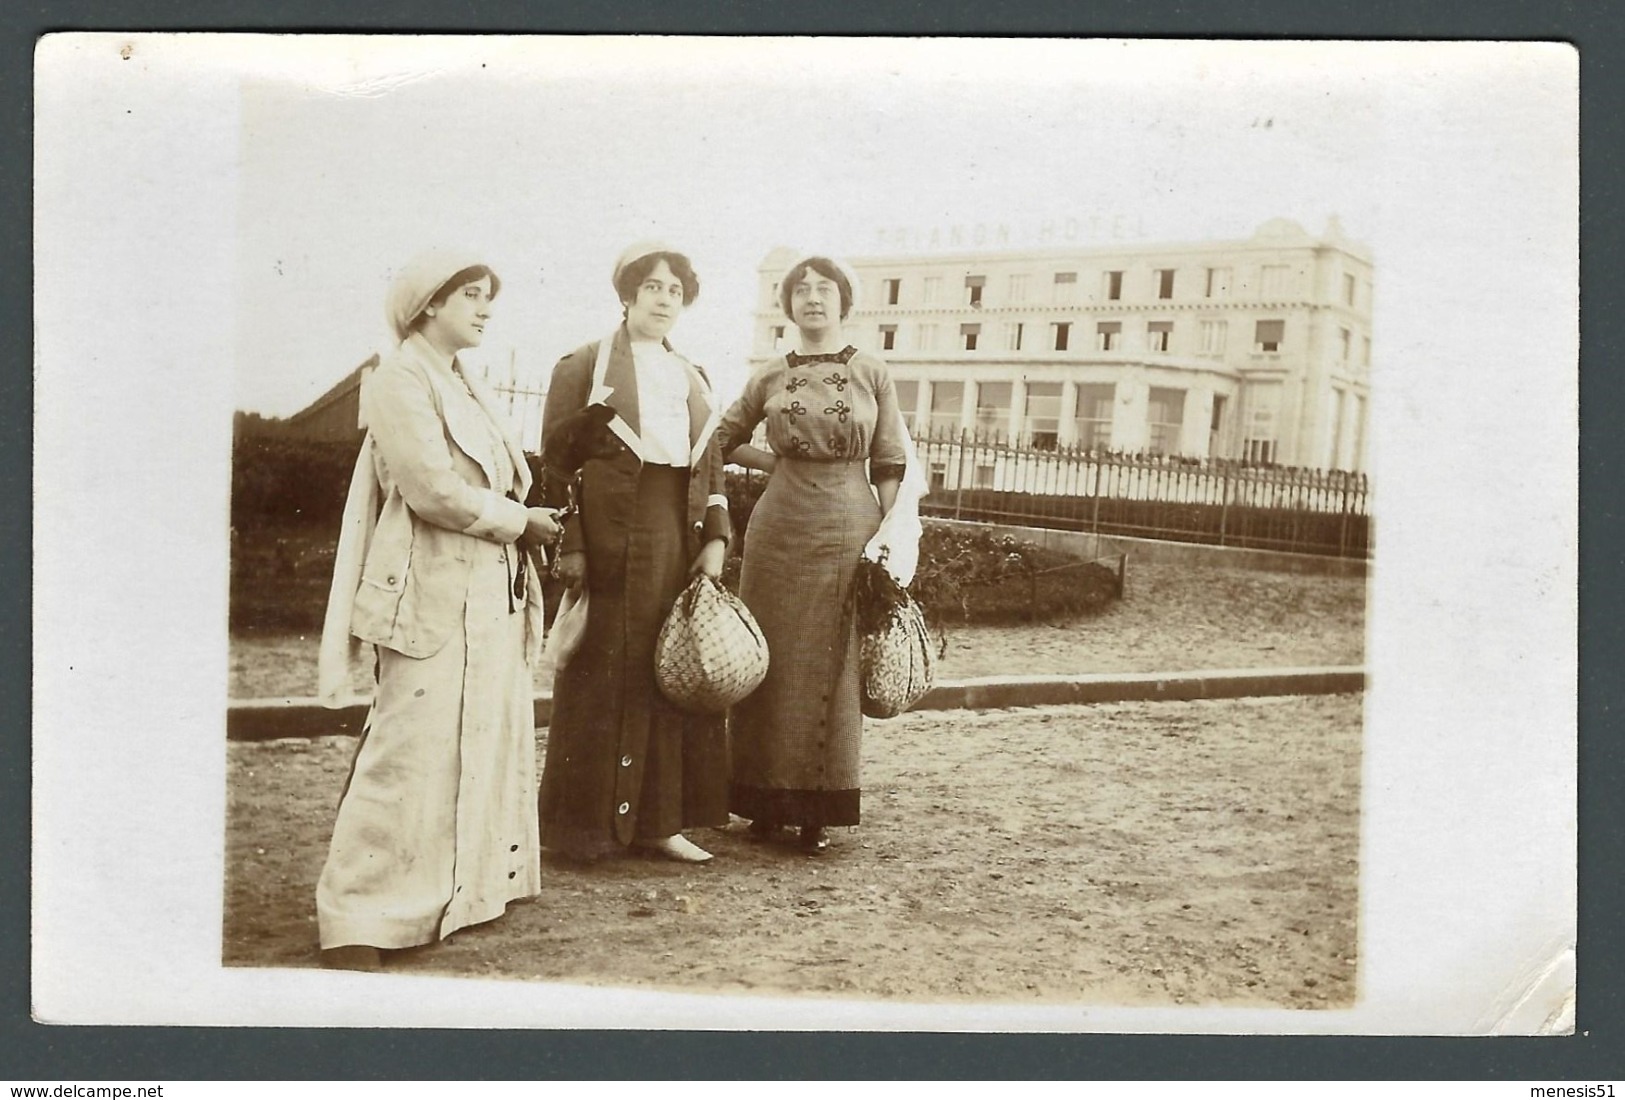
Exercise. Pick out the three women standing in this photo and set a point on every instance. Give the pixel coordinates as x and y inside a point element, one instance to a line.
<point>624,766</point>
<point>437,565</point>
<point>834,429</point>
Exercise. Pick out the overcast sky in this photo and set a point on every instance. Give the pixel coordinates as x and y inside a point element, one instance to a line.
<point>551,155</point>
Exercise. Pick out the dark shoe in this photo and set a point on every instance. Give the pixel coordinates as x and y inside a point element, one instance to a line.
<point>764,830</point>
<point>356,956</point>
<point>813,840</point>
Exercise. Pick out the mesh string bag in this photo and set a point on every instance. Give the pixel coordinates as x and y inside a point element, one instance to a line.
<point>710,653</point>
<point>897,658</point>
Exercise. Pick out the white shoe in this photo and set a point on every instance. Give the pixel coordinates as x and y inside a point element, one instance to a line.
<point>676,847</point>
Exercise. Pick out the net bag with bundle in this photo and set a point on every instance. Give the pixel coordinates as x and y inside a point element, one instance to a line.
<point>897,659</point>
<point>710,653</point>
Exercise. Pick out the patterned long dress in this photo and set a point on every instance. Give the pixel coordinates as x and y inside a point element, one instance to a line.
<point>832,421</point>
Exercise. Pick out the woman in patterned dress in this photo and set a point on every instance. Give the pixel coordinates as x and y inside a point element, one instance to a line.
<point>837,444</point>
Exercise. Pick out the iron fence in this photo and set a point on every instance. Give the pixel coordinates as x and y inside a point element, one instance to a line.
<point>1216,501</point>
<point>1041,483</point>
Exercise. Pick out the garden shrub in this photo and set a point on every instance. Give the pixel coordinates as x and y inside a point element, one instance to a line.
<point>288,497</point>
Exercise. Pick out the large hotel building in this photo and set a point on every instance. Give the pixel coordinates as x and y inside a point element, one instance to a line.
<point>1256,349</point>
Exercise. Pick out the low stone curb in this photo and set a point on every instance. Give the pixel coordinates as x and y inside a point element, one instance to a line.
<point>270,719</point>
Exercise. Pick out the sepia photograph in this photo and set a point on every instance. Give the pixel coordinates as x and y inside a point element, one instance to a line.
<point>828,533</point>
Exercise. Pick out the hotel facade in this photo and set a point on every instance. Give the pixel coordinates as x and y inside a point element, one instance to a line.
<point>1255,349</point>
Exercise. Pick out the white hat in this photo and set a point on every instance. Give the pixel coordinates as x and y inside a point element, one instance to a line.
<point>632,254</point>
<point>416,283</point>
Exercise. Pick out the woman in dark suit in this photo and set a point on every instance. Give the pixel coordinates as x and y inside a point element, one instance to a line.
<point>624,766</point>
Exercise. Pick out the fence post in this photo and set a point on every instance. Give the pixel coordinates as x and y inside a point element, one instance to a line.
<point>1343,525</point>
<point>1094,516</point>
<point>959,474</point>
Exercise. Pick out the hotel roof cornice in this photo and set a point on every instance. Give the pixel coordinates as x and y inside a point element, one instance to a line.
<point>1277,233</point>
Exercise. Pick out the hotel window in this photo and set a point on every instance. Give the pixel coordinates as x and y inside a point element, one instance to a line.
<point>984,476</point>
<point>1165,282</point>
<point>773,297</point>
<point>1063,334</point>
<point>1066,287</point>
<point>1108,335</point>
<point>968,335</point>
<point>1268,335</point>
<point>928,337</point>
<point>1348,290</point>
<point>1275,280</point>
<point>992,409</point>
<point>939,475</point>
<point>947,402</point>
<point>1165,416</point>
<point>1093,415</point>
<point>908,402</point>
<point>778,337</point>
<point>888,337</point>
<point>1218,282</point>
<point>1113,286</point>
<point>892,288</point>
<point>1012,335</point>
<point>1365,351</point>
<point>1159,335</point>
<point>973,290</point>
<point>932,290</point>
<point>1346,340</point>
<point>1213,335</point>
<point>1042,422</point>
<point>1334,422</point>
<point>1262,402</point>
<point>1018,288</point>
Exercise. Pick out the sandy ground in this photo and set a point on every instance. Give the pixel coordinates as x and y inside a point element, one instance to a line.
<point>1148,853</point>
<point>1172,618</point>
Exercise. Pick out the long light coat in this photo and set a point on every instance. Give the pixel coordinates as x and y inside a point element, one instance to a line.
<point>437,827</point>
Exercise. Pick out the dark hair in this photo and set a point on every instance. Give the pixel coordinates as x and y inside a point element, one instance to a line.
<point>453,285</point>
<point>824,266</point>
<point>633,274</point>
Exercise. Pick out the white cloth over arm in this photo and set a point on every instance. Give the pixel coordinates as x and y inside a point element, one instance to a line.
<point>900,529</point>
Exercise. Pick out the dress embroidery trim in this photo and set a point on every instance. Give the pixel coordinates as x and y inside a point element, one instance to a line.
<point>844,356</point>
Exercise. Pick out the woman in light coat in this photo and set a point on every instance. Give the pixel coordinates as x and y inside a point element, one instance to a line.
<point>436,827</point>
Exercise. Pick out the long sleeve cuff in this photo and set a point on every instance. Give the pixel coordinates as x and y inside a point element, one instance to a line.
<point>716,524</point>
<point>500,520</point>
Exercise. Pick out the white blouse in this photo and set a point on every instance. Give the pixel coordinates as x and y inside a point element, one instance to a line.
<point>662,403</point>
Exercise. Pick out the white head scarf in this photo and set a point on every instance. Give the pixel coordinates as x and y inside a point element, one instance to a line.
<point>419,281</point>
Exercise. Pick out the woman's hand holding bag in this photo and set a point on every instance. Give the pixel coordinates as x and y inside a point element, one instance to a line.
<point>710,653</point>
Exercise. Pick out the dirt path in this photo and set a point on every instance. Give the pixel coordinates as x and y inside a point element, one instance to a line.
<point>1155,853</point>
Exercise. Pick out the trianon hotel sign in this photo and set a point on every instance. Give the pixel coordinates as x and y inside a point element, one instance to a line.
<point>1048,233</point>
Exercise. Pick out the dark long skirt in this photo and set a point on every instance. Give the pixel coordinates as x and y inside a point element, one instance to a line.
<point>622,762</point>
<point>796,740</point>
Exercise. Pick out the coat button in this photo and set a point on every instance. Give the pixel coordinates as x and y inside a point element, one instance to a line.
<point>389,580</point>
<point>626,761</point>
<point>623,807</point>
